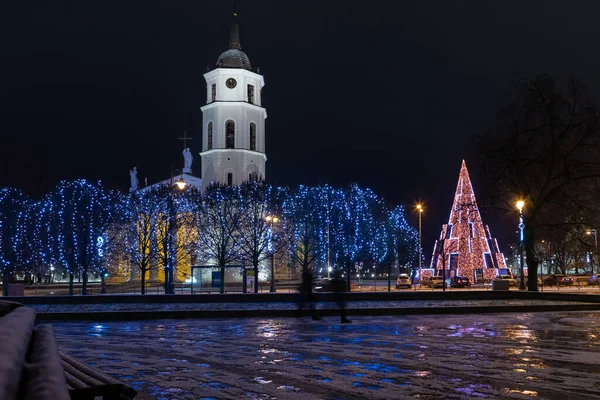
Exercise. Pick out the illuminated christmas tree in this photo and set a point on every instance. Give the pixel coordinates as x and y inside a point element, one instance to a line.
<point>466,247</point>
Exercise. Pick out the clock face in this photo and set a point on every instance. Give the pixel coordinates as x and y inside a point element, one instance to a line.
<point>231,83</point>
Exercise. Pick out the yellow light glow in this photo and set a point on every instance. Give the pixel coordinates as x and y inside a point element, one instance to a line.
<point>181,184</point>
<point>272,218</point>
<point>520,205</point>
<point>420,208</point>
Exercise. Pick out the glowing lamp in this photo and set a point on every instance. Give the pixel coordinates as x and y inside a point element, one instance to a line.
<point>520,205</point>
<point>181,184</point>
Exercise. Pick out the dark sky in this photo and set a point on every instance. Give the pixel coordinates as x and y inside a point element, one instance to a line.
<point>383,93</point>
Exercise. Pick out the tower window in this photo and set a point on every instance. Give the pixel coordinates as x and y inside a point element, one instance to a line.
<point>229,179</point>
<point>209,143</point>
<point>253,136</point>
<point>214,92</point>
<point>230,135</point>
<point>251,94</point>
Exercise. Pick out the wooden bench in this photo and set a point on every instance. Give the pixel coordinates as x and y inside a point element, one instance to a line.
<point>32,368</point>
<point>85,382</point>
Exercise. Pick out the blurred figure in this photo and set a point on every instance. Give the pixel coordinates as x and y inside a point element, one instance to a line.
<point>307,296</point>
<point>339,287</point>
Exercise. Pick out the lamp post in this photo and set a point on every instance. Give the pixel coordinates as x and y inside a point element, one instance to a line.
<point>420,210</point>
<point>180,185</point>
<point>520,204</point>
<point>595,233</point>
<point>272,219</point>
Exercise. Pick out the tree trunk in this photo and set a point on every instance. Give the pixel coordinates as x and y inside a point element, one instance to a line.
<point>348,273</point>
<point>255,278</point>
<point>222,289</point>
<point>5,274</point>
<point>71,279</point>
<point>532,262</point>
<point>167,284</point>
<point>85,280</point>
<point>143,280</point>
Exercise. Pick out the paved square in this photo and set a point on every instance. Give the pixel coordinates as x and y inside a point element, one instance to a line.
<point>543,355</point>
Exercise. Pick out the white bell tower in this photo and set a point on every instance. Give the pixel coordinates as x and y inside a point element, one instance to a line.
<point>233,131</point>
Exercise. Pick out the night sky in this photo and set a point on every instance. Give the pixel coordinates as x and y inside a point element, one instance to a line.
<point>383,93</point>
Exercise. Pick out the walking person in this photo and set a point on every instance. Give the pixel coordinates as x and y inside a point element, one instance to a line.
<point>307,296</point>
<point>339,287</point>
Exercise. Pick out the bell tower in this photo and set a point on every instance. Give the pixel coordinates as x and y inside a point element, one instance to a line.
<point>233,131</point>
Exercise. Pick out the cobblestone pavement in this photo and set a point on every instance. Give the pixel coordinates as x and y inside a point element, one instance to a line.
<point>44,308</point>
<point>500,356</point>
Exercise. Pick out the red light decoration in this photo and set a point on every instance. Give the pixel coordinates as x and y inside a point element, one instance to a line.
<point>466,247</point>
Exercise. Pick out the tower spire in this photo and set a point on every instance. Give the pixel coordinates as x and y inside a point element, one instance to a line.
<point>234,33</point>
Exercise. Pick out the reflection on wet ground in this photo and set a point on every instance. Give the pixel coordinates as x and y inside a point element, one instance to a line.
<point>543,355</point>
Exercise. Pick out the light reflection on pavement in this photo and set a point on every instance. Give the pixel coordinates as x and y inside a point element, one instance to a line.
<point>543,355</point>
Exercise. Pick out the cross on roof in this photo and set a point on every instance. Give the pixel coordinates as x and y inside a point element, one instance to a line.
<point>185,138</point>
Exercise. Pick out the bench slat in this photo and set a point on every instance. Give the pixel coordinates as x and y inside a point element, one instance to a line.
<point>96,381</point>
<point>83,380</point>
<point>90,371</point>
<point>80,390</point>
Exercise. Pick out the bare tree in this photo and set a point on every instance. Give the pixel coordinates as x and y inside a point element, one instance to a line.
<point>217,223</point>
<point>545,151</point>
<point>258,234</point>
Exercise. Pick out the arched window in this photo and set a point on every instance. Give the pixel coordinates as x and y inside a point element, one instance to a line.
<point>253,136</point>
<point>229,179</point>
<point>230,135</point>
<point>209,141</point>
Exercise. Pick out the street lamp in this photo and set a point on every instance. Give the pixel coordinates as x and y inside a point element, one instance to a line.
<point>520,204</point>
<point>420,211</point>
<point>272,219</point>
<point>169,269</point>
<point>595,233</point>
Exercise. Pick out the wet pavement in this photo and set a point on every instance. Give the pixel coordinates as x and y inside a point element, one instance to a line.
<point>500,356</point>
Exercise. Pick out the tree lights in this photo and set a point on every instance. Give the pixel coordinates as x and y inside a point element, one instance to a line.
<point>80,227</point>
<point>465,246</point>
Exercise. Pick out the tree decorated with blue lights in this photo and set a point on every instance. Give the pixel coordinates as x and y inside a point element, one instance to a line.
<point>404,239</point>
<point>13,208</point>
<point>82,213</point>
<point>305,210</point>
<point>358,233</point>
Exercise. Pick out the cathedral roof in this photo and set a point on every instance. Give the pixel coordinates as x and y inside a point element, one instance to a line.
<point>234,57</point>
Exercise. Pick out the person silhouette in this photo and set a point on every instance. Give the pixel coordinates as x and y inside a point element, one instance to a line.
<point>339,288</point>
<point>307,296</point>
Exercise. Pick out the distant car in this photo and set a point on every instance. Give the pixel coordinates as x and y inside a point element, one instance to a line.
<point>459,282</point>
<point>558,280</point>
<point>323,285</point>
<point>511,281</point>
<point>432,282</point>
<point>403,281</point>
